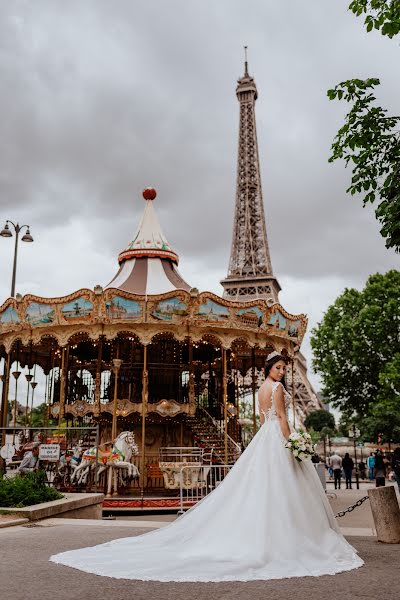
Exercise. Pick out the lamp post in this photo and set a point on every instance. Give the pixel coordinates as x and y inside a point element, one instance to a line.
<point>6,232</point>
<point>355,433</point>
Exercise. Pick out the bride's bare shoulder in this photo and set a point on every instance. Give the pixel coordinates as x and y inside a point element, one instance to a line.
<point>264,389</point>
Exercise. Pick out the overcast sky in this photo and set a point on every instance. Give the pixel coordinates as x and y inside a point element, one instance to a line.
<point>100,99</point>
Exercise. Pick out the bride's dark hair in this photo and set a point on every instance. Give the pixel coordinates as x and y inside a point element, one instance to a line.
<point>270,363</point>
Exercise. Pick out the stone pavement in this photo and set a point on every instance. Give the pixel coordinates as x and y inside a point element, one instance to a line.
<point>26,574</point>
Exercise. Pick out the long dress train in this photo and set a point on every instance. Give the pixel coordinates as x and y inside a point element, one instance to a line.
<point>268,519</point>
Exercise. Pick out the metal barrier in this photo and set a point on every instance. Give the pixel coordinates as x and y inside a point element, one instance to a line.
<point>196,482</point>
<point>60,450</point>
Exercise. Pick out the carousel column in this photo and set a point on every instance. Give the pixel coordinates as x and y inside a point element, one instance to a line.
<point>16,375</point>
<point>63,381</point>
<point>293,402</point>
<point>117,362</point>
<point>4,403</point>
<point>225,400</point>
<point>145,394</point>
<point>97,390</point>
<point>191,388</point>
<point>253,388</point>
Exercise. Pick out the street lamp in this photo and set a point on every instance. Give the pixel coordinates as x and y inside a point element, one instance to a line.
<point>355,433</point>
<point>6,232</point>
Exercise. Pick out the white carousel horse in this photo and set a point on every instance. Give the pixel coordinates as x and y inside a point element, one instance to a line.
<point>118,457</point>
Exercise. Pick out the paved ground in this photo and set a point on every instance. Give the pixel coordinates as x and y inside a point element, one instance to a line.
<point>26,574</point>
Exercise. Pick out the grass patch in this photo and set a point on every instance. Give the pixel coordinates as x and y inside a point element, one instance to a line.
<point>25,490</point>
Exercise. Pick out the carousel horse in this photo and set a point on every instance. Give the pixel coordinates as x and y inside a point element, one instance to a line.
<point>114,459</point>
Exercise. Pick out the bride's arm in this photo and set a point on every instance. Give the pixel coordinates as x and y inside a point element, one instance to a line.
<point>281,411</point>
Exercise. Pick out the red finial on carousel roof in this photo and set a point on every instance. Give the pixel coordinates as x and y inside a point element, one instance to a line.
<point>149,193</point>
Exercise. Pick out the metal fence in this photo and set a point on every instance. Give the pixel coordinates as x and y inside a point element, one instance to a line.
<point>198,481</point>
<point>60,452</point>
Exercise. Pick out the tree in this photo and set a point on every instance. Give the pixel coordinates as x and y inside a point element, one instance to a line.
<point>319,420</point>
<point>355,342</point>
<point>370,139</point>
<point>385,415</point>
<point>322,422</point>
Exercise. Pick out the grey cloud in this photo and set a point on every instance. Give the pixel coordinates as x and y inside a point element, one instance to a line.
<point>100,99</point>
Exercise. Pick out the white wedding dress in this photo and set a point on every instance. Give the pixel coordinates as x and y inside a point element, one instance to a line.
<point>268,519</point>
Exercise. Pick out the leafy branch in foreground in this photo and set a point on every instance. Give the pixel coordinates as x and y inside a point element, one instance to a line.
<point>370,140</point>
<point>383,15</point>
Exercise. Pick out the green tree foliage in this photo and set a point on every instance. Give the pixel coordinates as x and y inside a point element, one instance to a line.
<point>320,420</point>
<point>354,344</point>
<point>370,139</point>
<point>25,490</point>
<point>383,15</point>
<point>385,415</point>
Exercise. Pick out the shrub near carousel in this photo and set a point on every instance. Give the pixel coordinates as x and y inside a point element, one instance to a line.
<point>147,353</point>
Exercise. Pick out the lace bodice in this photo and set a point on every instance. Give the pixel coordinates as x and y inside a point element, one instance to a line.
<point>271,412</point>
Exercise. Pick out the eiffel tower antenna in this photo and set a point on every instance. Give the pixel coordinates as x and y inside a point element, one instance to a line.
<point>250,272</point>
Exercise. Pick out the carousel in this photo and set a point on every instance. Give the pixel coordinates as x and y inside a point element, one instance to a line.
<point>150,355</point>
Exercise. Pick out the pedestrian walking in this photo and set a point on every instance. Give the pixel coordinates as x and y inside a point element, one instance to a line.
<point>348,466</point>
<point>371,466</point>
<point>380,470</point>
<point>336,465</point>
<point>396,466</point>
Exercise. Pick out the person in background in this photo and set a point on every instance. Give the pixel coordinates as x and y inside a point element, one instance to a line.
<point>361,466</point>
<point>30,461</point>
<point>329,467</point>
<point>348,466</point>
<point>371,466</point>
<point>336,464</point>
<point>380,470</point>
<point>396,466</point>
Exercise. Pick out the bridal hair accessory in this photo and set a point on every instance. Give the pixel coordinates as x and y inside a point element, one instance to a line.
<point>274,353</point>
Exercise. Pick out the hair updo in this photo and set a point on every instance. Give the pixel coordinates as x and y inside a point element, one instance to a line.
<point>270,363</point>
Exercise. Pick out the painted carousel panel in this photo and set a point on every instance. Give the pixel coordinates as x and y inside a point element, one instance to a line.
<point>9,316</point>
<point>77,309</point>
<point>171,310</point>
<point>252,317</point>
<point>278,321</point>
<point>294,329</point>
<point>122,309</point>
<point>211,311</point>
<point>285,325</point>
<point>38,314</point>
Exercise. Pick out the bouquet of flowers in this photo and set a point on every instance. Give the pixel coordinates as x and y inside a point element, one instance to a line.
<point>301,445</point>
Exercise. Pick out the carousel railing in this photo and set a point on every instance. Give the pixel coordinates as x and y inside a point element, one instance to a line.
<point>231,442</point>
<point>198,481</point>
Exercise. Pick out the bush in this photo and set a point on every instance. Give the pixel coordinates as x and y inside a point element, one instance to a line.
<point>25,490</point>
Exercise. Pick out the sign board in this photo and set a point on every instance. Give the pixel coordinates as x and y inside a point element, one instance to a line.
<point>360,445</point>
<point>49,452</point>
<point>7,451</point>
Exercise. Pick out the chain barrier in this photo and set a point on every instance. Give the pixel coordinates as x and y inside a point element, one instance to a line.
<point>341,513</point>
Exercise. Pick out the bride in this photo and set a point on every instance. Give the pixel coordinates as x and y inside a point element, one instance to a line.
<point>268,519</point>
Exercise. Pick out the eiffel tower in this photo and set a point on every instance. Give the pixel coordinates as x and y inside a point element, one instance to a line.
<point>250,272</point>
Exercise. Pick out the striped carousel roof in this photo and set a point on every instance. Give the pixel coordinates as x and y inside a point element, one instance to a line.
<point>148,264</point>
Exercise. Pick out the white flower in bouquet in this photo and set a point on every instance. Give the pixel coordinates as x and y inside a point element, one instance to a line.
<point>300,444</point>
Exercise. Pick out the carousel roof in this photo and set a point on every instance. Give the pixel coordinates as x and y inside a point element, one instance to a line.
<point>148,264</point>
